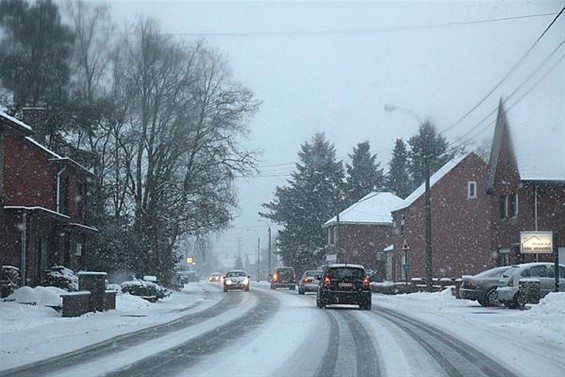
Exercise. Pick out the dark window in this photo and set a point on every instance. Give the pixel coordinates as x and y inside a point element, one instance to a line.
<point>538,271</point>
<point>512,205</point>
<point>503,206</point>
<point>471,190</point>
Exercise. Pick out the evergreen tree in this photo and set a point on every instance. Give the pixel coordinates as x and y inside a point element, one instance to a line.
<point>35,53</point>
<point>364,175</point>
<point>427,144</point>
<point>397,178</point>
<point>313,196</point>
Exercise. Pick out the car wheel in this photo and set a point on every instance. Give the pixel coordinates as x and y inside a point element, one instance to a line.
<point>273,287</point>
<point>490,298</point>
<point>225,289</point>
<point>365,306</point>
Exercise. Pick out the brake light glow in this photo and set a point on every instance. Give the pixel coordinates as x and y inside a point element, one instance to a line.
<point>471,283</point>
<point>327,281</point>
<point>307,280</point>
<point>366,283</point>
<point>275,276</point>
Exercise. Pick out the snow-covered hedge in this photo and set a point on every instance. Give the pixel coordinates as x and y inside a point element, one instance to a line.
<point>9,280</point>
<point>61,277</point>
<point>144,289</point>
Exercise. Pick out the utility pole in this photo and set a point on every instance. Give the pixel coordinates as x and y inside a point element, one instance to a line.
<point>269,232</point>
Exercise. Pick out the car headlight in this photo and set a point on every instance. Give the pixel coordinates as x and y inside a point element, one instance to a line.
<point>228,281</point>
<point>245,281</point>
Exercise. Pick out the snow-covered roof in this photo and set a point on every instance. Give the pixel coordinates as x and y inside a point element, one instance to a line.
<point>537,130</point>
<point>373,208</point>
<point>17,123</point>
<point>436,177</point>
<point>56,157</point>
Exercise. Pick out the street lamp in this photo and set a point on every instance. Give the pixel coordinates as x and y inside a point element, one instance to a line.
<point>269,255</point>
<point>258,253</point>
<point>427,197</point>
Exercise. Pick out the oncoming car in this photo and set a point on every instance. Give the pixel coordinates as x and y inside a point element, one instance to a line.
<point>344,284</point>
<point>236,279</point>
<point>309,281</point>
<point>214,277</point>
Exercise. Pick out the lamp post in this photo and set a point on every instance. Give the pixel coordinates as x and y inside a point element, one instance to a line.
<point>269,252</point>
<point>258,253</point>
<point>427,197</point>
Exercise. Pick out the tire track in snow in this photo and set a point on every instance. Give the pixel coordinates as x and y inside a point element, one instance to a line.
<point>456,358</point>
<point>174,360</point>
<point>120,343</point>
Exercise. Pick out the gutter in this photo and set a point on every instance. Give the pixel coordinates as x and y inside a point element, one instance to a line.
<point>58,205</point>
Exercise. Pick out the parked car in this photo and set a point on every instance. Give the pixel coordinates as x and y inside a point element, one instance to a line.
<point>309,281</point>
<point>508,290</point>
<point>344,284</point>
<point>214,277</point>
<point>482,286</point>
<point>236,279</point>
<point>283,277</point>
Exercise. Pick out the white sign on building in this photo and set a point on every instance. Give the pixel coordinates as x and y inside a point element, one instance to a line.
<point>536,242</point>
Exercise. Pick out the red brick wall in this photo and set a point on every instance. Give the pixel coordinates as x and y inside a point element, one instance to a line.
<point>361,242</point>
<point>28,175</point>
<point>551,208</point>
<point>460,226</point>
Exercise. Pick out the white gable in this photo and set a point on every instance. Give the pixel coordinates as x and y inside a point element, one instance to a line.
<point>373,208</point>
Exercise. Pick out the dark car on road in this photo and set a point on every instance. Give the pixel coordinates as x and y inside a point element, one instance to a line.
<point>482,286</point>
<point>344,284</point>
<point>283,277</point>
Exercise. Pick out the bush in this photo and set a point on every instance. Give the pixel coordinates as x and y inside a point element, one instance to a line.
<point>393,288</point>
<point>61,277</point>
<point>144,289</point>
<point>9,280</point>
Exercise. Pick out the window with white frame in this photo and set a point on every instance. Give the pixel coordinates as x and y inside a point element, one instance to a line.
<point>471,190</point>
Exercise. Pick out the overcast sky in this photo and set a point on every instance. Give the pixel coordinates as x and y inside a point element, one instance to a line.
<point>333,66</point>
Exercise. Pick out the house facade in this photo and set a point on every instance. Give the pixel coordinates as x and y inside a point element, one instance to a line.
<point>460,217</point>
<point>526,183</point>
<point>44,204</point>
<point>361,232</point>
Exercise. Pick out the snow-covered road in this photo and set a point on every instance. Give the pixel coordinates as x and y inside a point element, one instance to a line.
<point>269,333</point>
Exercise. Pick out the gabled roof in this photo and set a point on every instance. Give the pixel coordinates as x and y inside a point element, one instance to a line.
<point>9,121</point>
<point>56,157</point>
<point>373,208</point>
<point>436,177</point>
<point>536,131</point>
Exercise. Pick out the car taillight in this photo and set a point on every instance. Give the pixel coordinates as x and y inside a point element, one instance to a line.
<point>275,276</point>
<point>471,284</point>
<point>366,283</point>
<point>307,280</point>
<point>327,281</point>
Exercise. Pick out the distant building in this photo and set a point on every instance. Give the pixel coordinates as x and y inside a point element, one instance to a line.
<point>526,179</point>
<point>363,230</point>
<point>44,204</point>
<point>460,211</point>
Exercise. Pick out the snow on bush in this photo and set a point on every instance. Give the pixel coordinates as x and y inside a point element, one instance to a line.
<point>42,296</point>
<point>144,289</point>
<point>62,277</point>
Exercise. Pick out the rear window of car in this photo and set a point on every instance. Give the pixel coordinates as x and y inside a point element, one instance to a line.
<point>345,272</point>
<point>312,273</point>
<point>492,273</point>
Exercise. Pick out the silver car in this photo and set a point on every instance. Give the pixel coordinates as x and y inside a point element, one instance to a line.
<point>508,290</point>
<point>309,281</point>
<point>482,286</point>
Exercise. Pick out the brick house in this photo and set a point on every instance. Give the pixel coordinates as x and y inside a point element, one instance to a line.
<point>526,179</point>
<point>460,211</point>
<point>44,203</point>
<point>363,230</point>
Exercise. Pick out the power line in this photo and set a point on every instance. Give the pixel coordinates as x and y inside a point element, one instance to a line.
<point>507,74</point>
<point>359,31</point>
<point>541,79</point>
